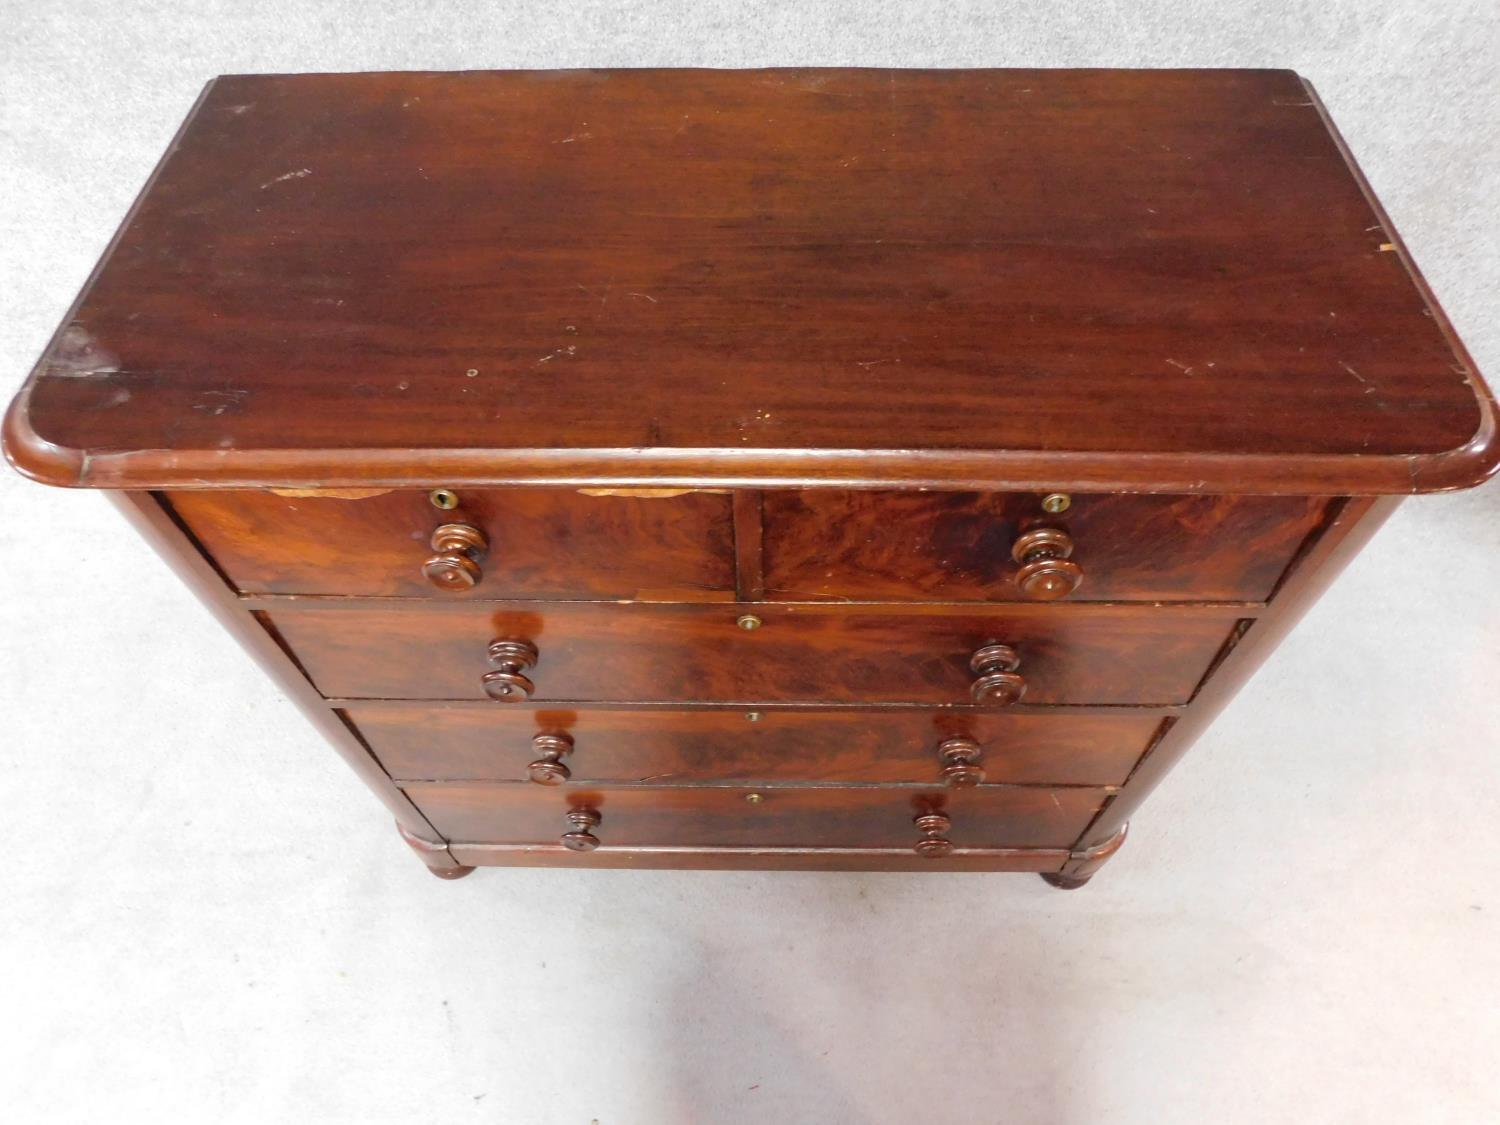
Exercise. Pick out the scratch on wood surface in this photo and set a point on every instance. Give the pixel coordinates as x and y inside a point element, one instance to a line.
<point>295,174</point>
<point>1387,247</point>
<point>221,402</point>
<point>1183,367</point>
<point>644,297</point>
<point>571,349</point>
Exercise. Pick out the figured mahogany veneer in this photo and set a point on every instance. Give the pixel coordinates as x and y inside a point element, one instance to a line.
<point>803,653</point>
<point>541,543</point>
<point>763,745</point>
<point>958,546</point>
<point>824,469</point>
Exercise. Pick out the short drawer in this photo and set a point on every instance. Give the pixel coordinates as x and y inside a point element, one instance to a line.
<point>805,653</point>
<point>643,816</point>
<point>550,745</point>
<point>536,543</point>
<point>962,546</point>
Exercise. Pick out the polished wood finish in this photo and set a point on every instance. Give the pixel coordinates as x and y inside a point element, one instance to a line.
<point>801,469</point>
<point>548,768</point>
<point>459,549</point>
<point>1084,863</point>
<point>1095,279</point>
<point>763,746</point>
<point>645,816</point>
<point>960,546</point>
<point>934,842</point>
<point>435,854</point>
<point>1071,654</point>
<point>509,659</point>
<point>544,543</point>
<point>1037,860</point>
<point>580,837</point>
<point>959,758</point>
<point>1046,571</point>
<point>996,681</point>
<point>749,524</point>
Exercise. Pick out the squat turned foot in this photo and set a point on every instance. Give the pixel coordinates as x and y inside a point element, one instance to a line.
<point>1065,882</point>
<point>1082,864</point>
<point>435,856</point>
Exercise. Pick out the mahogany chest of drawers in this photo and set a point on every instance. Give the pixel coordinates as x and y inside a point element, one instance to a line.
<point>789,468</point>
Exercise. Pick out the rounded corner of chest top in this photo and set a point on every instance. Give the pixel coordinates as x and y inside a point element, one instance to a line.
<point>1467,466</point>
<point>32,455</point>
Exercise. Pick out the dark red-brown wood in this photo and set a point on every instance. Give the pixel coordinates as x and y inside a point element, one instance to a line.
<point>816,653</point>
<point>1041,860</point>
<point>935,298</point>
<point>956,546</point>
<point>987,817</point>
<point>542,543</point>
<point>1152,280</point>
<point>768,745</point>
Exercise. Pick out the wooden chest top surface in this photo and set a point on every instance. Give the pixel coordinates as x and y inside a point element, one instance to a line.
<point>1158,280</point>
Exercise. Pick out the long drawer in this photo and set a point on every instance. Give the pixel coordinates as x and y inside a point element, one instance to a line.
<point>986,817</point>
<point>812,653</point>
<point>597,745</point>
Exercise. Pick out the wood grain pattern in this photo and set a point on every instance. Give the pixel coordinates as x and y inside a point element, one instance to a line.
<point>593,303</point>
<point>987,817</point>
<point>765,745</point>
<point>956,546</point>
<point>1070,654</point>
<point>543,543</point>
<point>1158,280</point>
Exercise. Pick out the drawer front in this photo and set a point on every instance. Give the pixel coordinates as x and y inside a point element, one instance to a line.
<point>733,745</point>
<point>541,543</point>
<point>987,817</point>
<point>958,546</point>
<point>806,653</point>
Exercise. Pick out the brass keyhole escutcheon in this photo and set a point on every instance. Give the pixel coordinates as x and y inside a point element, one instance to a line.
<point>748,621</point>
<point>444,498</point>
<point>1056,502</point>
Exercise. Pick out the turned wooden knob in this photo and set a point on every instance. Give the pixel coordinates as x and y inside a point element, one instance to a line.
<point>581,839</point>
<point>996,680</point>
<point>459,548</point>
<point>933,843</point>
<point>1046,574</point>
<point>548,769</point>
<point>960,759</point>
<point>509,659</point>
